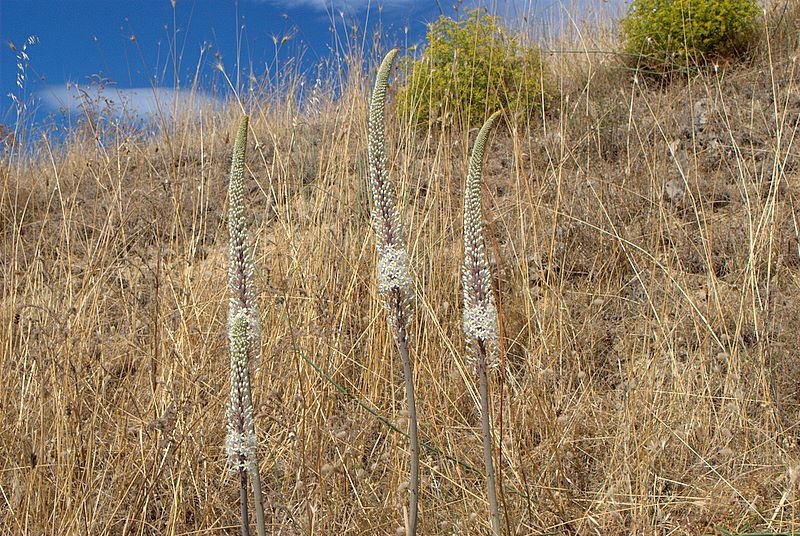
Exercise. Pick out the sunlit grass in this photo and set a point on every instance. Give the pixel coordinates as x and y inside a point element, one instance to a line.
<point>643,248</point>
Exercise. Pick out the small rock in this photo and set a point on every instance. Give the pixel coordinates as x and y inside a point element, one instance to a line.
<point>673,190</point>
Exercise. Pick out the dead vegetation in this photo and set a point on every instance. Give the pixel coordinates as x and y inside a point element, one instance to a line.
<point>645,241</point>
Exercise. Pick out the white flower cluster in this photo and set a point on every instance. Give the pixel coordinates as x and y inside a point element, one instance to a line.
<point>480,321</point>
<point>480,311</point>
<point>393,270</point>
<point>240,443</point>
<point>393,262</point>
<point>241,449</point>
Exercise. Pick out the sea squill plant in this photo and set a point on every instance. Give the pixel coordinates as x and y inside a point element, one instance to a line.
<point>480,311</point>
<point>394,280</point>
<point>243,335</point>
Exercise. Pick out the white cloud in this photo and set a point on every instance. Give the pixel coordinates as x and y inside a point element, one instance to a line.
<point>138,102</point>
<point>347,6</point>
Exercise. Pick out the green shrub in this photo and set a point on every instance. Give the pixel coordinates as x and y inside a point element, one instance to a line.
<point>468,69</point>
<point>677,33</point>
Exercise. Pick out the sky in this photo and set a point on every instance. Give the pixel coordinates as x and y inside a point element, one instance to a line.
<point>132,46</point>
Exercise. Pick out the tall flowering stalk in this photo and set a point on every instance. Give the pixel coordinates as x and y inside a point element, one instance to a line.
<point>480,311</point>
<point>394,281</point>
<point>243,332</point>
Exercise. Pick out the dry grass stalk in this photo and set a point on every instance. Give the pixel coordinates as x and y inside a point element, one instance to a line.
<point>648,259</point>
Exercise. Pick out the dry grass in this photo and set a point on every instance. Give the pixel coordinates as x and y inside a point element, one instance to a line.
<point>647,252</point>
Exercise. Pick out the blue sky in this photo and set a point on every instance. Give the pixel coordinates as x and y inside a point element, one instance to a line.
<point>137,44</point>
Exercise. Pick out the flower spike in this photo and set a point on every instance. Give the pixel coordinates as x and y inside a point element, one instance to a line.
<point>241,270</point>
<point>394,279</point>
<point>243,334</point>
<point>480,312</point>
<point>240,442</point>
<point>393,264</point>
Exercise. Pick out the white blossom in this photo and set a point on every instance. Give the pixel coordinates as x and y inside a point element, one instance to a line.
<point>393,262</point>
<point>393,270</point>
<point>240,443</point>
<point>480,311</point>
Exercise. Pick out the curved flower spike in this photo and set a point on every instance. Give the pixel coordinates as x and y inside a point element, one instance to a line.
<point>480,312</point>
<point>393,265</point>
<point>394,279</point>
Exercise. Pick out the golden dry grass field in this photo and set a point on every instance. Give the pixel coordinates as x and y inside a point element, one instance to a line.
<point>645,240</point>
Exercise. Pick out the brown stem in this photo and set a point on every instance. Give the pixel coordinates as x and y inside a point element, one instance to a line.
<point>413,441</point>
<point>243,497</point>
<point>258,499</point>
<point>486,432</point>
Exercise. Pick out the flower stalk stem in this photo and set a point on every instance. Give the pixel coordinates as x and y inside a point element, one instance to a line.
<point>255,476</point>
<point>413,440</point>
<point>243,510</point>
<point>486,432</point>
